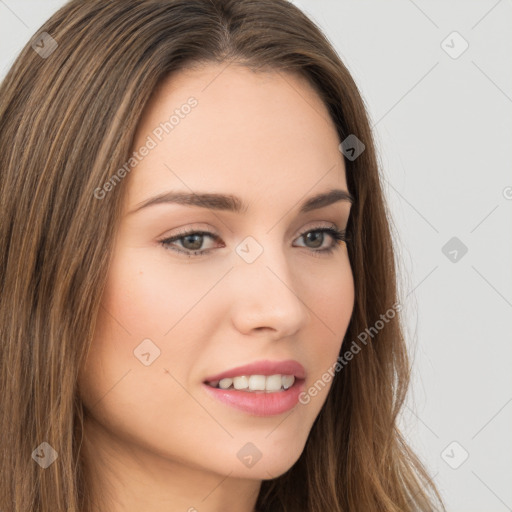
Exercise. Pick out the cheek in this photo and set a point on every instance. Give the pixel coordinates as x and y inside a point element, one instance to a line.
<point>331,307</point>
<point>330,299</point>
<point>150,294</point>
<point>334,300</point>
<point>151,306</point>
<point>148,299</point>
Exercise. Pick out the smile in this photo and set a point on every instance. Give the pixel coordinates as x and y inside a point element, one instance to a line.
<point>269,384</point>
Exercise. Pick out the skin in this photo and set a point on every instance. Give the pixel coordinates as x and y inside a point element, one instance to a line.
<point>154,439</point>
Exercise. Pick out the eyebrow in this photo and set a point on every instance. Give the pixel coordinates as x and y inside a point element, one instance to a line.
<point>231,203</point>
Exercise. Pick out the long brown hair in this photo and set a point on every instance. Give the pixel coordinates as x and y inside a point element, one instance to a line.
<point>69,109</point>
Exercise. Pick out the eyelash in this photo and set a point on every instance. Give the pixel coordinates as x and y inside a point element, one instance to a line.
<point>336,234</point>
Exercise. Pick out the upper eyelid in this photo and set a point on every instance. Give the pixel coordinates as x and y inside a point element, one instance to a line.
<point>212,234</point>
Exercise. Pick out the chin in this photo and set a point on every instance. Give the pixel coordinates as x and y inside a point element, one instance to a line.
<point>275,462</point>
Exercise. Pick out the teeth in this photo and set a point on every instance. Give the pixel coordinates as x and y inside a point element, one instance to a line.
<point>225,383</point>
<point>272,383</point>
<point>288,381</point>
<point>257,382</point>
<point>241,382</point>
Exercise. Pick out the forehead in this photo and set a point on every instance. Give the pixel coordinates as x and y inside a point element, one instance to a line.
<point>247,133</point>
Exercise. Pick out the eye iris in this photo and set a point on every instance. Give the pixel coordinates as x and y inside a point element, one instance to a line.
<point>196,245</point>
<point>318,235</point>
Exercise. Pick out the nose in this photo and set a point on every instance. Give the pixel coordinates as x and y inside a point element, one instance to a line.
<point>266,298</point>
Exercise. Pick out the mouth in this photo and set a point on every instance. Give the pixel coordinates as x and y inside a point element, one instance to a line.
<point>255,383</point>
<point>263,388</point>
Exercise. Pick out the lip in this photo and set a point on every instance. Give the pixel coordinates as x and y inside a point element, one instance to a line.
<point>265,367</point>
<point>259,403</point>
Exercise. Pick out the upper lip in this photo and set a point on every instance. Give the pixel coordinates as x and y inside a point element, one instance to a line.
<point>266,367</point>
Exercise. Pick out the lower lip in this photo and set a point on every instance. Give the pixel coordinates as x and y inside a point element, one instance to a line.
<point>259,403</point>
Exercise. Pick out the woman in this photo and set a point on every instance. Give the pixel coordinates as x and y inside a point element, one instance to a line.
<point>198,298</point>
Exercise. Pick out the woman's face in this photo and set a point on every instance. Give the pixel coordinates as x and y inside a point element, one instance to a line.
<point>255,288</point>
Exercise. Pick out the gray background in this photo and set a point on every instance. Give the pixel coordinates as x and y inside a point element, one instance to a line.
<point>442,125</point>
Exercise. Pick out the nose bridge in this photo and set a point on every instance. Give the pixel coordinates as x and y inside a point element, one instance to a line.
<point>266,288</point>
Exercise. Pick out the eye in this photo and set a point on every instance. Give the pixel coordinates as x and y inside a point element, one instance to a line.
<point>317,237</point>
<point>192,241</point>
